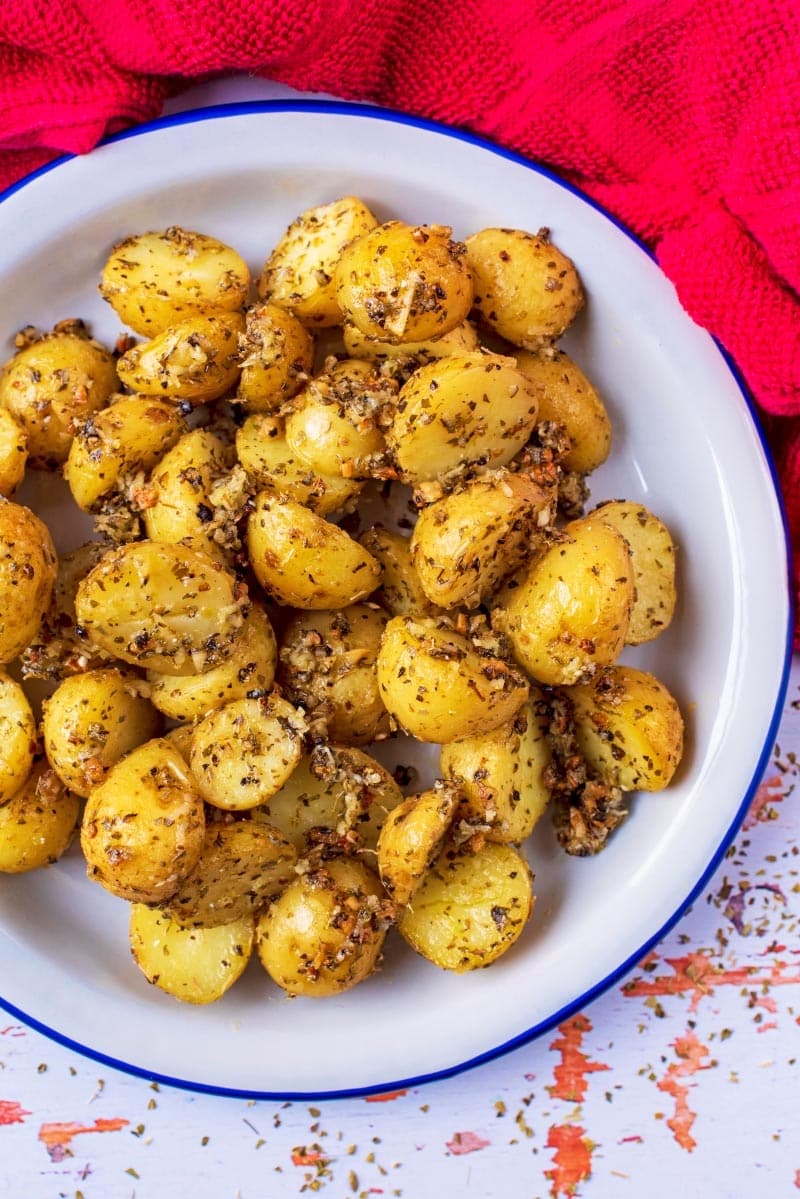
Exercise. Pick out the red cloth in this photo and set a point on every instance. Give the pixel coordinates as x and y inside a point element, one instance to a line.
<point>681,116</point>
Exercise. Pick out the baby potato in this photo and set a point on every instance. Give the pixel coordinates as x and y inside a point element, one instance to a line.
<point>400,592</point>
<point>154,280</point>
<point>629,728</point>
<point>90,721</point>
<point>304,561</point>
<point>336,422</point>
<point>412,837</point>
<point>195,360</point>
<point>566,395</point>
<point>438,687</point>
<point>567,614</point>
<point>502,774</point>
<point>404,282</point>
<point>181,484</point>
<point>653,556</point>
<point>162,607</point>
<point>299,273</point>
<point>525,288</point>
<point>242,865</point>
<point>53,385</point>
<point>28,567</point>
<point>18,738</point>
<point>264,453</point>
<point>470,907</point>
<point>181,738</point>
<point>469,411</point>
<point>244,752</point>
<point>325,932</point>
<point>459,340</point>
<point>197,965</point>
<point>466,543</point>
<point>129,436</point>
<point>338,790</point>
<point>328,669</point>
<point>37,823</point>
<point>277,358</point>
<point>143,828</point>
<point>250,666</point>
<point>13,453</point>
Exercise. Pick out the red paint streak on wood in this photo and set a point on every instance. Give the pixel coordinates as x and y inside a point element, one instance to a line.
<point>697,974</point>
<point>766,1001</point>
<point>769,792</point>
<point>305,1157</point>
<point>797,1179</point>
<point>57,1137</point>
<point>386,1096</point>
<point>13,1030</point>
<point>570,1075</point>
<point>572,1160</point>
<point>690,1052</point>
<point>637,1140</point>
<point>466,1142</point>
<point>766,1027</point>
<point>11,1112</point>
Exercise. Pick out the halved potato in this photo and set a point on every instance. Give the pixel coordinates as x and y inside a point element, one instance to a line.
<point>196,360</point>
<point>566,395</point>
<point>265,455</point>
<point>197,965</point>
<point>412,837</point>
<point>18,737</point>
<point>28,568</point>
<point>277,358</point>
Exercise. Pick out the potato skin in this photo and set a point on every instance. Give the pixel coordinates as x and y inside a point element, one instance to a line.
<point>336,422</point>
<point>143,828</point>
<point>652,553</point>
<point>265,455</point>
<point>13,453</point>
<point>526,289</point>
<point>411,838</point>
<point>567,614</point>
<point>196,360</point>
<point>28,568</point>
<point>180,505</point>
<point>90,721</point>
<point>438,688</point>
<point>324,934</point>
<point>37,823</point>
<point>18,737</point>
<point>459,340</point>
<point>470,908</point>
<point>567,396</point>
<point>400,592</point>
<point>277,358</point>
<point>404,282</point>
<point>196,965</point>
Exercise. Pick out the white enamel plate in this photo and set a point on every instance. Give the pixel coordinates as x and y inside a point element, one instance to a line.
<point>686,445</point>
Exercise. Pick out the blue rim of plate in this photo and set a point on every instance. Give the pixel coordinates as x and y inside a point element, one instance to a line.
<point>328,107</point>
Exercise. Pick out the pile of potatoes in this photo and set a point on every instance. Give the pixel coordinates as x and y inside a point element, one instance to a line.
<point>225,653</point>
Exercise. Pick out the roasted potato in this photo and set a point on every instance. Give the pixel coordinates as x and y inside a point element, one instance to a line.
<point>277,358</point>
<point>195,360</point>
<point>565,395</point>
<point>143,828</point>
<point>60,647</point>
<point>299,273</point>
<point>325,932</point>
<point>28,567</point>
<point>181,487</point>
<point>37,823</point>
<point>470,907</point>
<point>404,282</point>
<point>525,288</point>
<point>197,965</point>
<point>459,340</point>
<point>438,687</point>
<point>154,280</point>
<point>412,837</point>
<point>400,592</point>
<point>653,557</point>
<point>265,455</point>
<point>13,453</point>
<point>18,737</point>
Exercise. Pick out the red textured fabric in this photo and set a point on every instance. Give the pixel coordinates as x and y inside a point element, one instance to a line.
<point>681,116</point>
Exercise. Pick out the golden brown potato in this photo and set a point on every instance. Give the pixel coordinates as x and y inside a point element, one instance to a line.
<point>37,823</point>
<point>154,280</point>
<point>468,412</point>
<point>180,738</point>
<point>162,607</point>
<point>400,592</point>
<point>250,667</point>
<point>404,282</point>
<point>244,752</point>
<point>143,828</point>
<point>328,668</point>
<point>412,837</point>
<point>525,288</point>
<point>304,561</point>
<point>118,442</point>
<point>653,556</point>
<point>182,484</point>
<point>53,385</point>
<point>324,934</point>
<point>438,687</point>
<point>28,567</point>
<point>298,275</point>
<point>464,545</point>
<point>197,965</point>
<point>567,614</point>
<point>90,721</point>
<point>18,737</point>
<point>13,453</point>
<point>242,865</point>
<point>566,395</point>
<point>59,648</point>
<point>470,907</point>
<point>263,451</point>
<point>502,774</point>
<point>196,359</point>
<point>277,358</point>
<point>459,340</point>
<point>629,728</point>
